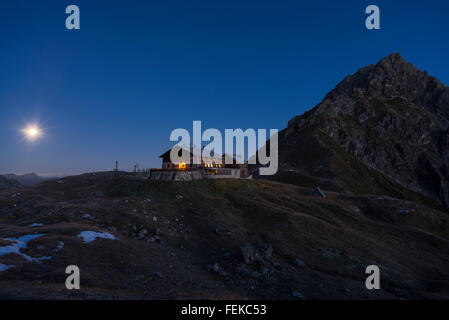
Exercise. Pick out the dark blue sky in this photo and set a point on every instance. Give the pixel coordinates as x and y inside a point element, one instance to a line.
<point>139,69</point>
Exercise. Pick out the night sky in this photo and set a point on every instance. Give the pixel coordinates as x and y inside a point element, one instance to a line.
<point>136,70</point>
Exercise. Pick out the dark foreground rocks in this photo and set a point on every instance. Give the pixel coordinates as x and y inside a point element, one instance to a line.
<point>236,239</point>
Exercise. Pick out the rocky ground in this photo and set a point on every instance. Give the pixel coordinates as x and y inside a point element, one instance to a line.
<point>236,239</point>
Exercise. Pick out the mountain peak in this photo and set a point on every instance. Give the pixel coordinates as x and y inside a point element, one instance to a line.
<point>395,65</point>
<point>394,58</point>
<point>27,179</point>
<point>393,117</point>
<point>391,77</point>
<point>32,174</point>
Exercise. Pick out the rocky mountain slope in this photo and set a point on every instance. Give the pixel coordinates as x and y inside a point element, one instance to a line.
<point>383,129</point>
<point>6,183</point>
<point>28,179</point>
<point>222,239</point>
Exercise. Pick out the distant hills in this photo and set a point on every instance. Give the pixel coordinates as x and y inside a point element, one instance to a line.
<point>6,183</point>
<point>28,179</point>
<point>384,130</point>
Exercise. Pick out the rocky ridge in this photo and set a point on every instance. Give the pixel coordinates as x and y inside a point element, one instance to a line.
<point>392,117</point>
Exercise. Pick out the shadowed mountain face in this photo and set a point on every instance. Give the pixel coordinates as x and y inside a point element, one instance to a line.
<point>384,129</point>
<point>6,183</point>
<point>28,179</point>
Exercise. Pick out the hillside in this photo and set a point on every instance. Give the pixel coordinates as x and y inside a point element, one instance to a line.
<point>27,180</point>
<point>6,183</point>
<point>384,129</point>
<point>217,239</point>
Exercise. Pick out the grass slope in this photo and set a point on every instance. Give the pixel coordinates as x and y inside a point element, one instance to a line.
<point>195,234</point>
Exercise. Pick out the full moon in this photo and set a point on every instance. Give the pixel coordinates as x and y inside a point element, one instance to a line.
<point>32,132</point>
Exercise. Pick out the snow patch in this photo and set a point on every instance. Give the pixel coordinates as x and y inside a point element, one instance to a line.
<point>4,267</point>
<point>21,243</point>
<point>60,245</point>
<point>35,225</point>
<point>89,236</point>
